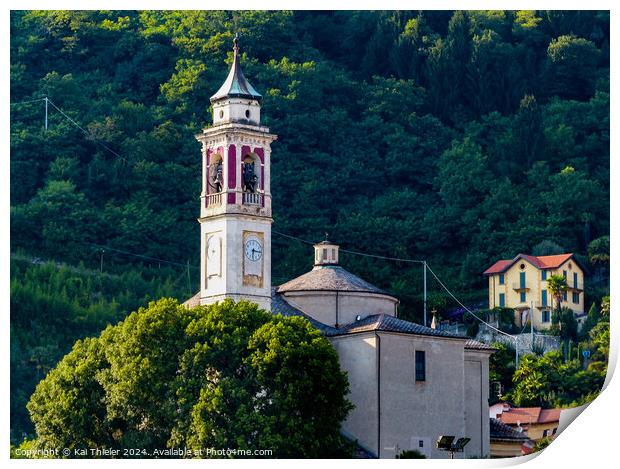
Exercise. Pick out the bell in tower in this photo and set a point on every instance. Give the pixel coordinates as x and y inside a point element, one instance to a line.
<point>235,209</point>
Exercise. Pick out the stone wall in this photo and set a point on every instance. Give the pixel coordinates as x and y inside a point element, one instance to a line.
<point>542,342</point>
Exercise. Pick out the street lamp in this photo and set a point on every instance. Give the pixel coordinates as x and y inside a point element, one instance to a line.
<point>447,443</point>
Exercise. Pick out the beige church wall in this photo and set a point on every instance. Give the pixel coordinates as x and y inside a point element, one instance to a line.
<point>322,305</point>
<point>358,357</point>
<point>413,411</point>
<point>477,425</point>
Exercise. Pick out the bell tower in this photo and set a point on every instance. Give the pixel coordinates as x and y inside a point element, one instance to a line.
<point>235,202</point>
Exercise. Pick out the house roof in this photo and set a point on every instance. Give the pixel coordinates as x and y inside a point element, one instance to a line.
<point>520,415</point>
<point>387,323</point>
<point>501,431</point>
<point>329,278</point>
<point>541,262</point>
<point>475,345</point>
<point>236,85</point>
<point>529,415</point>
<point>549,415</point>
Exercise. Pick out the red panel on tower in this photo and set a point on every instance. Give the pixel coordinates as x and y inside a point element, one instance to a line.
<point>205,172</point>
<point>232,172</point>
<point>261,154</point>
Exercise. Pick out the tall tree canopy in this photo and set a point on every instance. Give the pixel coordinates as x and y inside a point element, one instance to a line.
<point>223,376</point>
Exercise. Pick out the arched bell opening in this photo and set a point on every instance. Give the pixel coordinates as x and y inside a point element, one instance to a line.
<point>216,174</point>
<point>251,173</point>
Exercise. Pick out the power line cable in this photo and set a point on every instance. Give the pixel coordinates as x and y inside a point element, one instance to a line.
<point>141,256</point>
<point>28,102</point>
<point>85,131</point>
<point>465,307</point>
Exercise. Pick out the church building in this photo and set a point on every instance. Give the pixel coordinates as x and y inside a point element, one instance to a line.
<point>410,384</point>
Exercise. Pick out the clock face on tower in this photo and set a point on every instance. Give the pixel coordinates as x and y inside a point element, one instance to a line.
<point>253,249</point>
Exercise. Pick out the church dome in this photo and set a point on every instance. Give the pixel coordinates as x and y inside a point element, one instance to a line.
<point>331,294</point>
<point>329,278</point>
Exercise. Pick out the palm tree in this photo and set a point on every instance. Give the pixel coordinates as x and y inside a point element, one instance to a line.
<point>557,286</point>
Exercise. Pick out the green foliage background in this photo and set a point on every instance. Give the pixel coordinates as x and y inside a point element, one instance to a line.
<point>455,137</point>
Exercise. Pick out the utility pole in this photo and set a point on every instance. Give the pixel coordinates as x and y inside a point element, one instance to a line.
<point>516,354</point>
<point>532,323</point>
<point>424,265</point>
<point>46,113</point>
<point>189,282</point>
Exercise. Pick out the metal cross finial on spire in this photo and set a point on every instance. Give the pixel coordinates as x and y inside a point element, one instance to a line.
<point>326,236</point>
<point>236,44</point>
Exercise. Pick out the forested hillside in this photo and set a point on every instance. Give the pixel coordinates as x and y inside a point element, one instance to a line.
<point>455,137</point>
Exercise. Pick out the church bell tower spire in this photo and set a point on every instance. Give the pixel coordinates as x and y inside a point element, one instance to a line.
<point>235,202</point>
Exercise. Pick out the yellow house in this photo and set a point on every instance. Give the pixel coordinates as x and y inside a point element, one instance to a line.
<point>517,283</point>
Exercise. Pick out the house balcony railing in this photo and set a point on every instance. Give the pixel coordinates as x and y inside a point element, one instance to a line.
<point>214,199</point>
<point>540,305</point>
<point>252,198</point>
<point>520,287</point>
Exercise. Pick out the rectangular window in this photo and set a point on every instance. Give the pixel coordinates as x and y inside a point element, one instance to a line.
<point>324,254</point>
<point>565,296</point>
<point>522,297</point>
<point>521,279</point>
<point>564,273</point>
<point>545,316</point>
<point>501,279</point>
<point>501,300</point>
<point>543,298</point>
<point>333,254</point>
<point>575,279</point>
<point>575,297</point>
<point>544,275</point>
<point>545,433</point>
<point>420,366</point>
<point>421,443</point>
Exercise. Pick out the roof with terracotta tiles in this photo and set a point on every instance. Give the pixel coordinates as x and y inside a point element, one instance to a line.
<point>520,415</point>
<point>387,323</point>
<point>549,415</point>
<point>529,415</point>
<point>540,262</point>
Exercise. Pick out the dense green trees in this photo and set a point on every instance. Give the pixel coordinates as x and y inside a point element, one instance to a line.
<point>365,103</point>
<point>558,379</point>
<point>226,376</point>
<point>52,305</point>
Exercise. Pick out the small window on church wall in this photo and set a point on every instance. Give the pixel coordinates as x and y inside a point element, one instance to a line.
<point>221,114</point>
<point>420,366</point>
<point>333,254</point>
<point>324,254</point>
<point>247,113</point>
